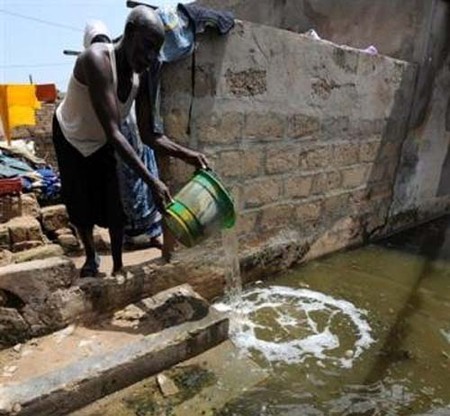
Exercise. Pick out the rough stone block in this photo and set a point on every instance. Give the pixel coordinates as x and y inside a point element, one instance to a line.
<point>30,206</point>
<point>319,157</point>
<point>261,192</point>
<point>5,240</point>
<point>24,229</point>
<point>35,280</point>
<point>219,128</point>
<point>54,218</point>
<point>68,242</point>
<point>6,257</point>
<point>26,245</point>
<point>353,177</point>
<point>326,182</point>
<point>264,125</point>
<point>302,125</point>
<point>282,160</point>
<point>346,154</point>
<point>247,83</point>
<point>298,187</point>
<point>38,253</point>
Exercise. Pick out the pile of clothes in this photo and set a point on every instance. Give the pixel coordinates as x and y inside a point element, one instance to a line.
<point>36,176</point>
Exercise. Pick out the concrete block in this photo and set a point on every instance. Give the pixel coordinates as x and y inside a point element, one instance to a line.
<point>246,223</point>
<point>277,216</point>
<point>302,125</point>
<point>237,163</point>
<point>264,125</point>
<point>252,163</point>
<point>59,391</point>
<point>326,182</point>
<point>318,157</point>
<point>249,83</point>
<point>54,217</point>
<point>222,128</point>
<point>282,159</point>
<point>335,205</point>
<point>176,124</point>
<point>298,186</point>
<point>205,80</point>
<point>355,176</point>
<point>346,154</point>
<point>309,212</point>
<point>368,152</point>
<point>262,192</point>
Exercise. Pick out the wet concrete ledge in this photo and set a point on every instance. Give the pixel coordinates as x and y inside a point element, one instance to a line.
<point>80,383</point>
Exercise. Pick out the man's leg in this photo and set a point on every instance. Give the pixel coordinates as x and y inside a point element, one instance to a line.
<point>116,236</point>
<point>92,263</point>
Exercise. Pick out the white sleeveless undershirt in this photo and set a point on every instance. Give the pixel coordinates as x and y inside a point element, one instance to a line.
<point>76,115</point>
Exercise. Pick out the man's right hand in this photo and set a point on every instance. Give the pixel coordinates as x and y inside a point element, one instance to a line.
<point>161,195</point>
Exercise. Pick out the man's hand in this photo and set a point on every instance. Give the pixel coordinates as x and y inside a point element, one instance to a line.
<point>196,159</point>
<point>161,195</point>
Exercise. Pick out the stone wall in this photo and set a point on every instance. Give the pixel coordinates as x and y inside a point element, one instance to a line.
<point>305,133</point>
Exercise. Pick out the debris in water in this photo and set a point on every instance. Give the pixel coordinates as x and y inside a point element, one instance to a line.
<point>166,385</point>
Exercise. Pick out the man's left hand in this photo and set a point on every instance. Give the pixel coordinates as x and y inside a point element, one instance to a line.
<point>197,159</point>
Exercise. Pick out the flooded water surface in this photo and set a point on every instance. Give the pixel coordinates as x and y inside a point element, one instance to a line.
<point>365,332</point>
<point>360,333</point>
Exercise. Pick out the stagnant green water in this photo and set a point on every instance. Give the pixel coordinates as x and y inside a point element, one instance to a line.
<point>366,332</point>
<point>360,333</point>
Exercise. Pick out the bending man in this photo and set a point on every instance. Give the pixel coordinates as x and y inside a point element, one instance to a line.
<point>86,132</point>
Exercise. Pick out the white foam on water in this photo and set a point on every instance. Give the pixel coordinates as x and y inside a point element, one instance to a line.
<point>294,309</point>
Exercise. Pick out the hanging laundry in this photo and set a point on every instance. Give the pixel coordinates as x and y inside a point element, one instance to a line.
<point>46,93</point>
<point>179,34</point>
<point>18,103</point>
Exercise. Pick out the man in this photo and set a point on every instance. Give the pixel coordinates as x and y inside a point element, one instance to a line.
<point>143,226</point>
<point>86,132</point>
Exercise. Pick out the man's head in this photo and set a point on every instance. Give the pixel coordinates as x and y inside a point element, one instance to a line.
<point>143,37</point>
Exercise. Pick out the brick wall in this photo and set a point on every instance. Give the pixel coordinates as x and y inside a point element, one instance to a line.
<point>306,134</point>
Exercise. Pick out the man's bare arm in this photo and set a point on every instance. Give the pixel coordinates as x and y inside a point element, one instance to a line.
<point>160,142</point>
<point>99,79</point>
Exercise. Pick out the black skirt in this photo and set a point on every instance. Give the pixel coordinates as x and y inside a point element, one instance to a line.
<point>90,188</point>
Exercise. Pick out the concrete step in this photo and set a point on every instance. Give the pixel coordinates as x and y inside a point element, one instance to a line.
<point>198,386</point>
<point>69,369</point>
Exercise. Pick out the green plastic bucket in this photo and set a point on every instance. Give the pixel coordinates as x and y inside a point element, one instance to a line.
<point>201,208</point>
